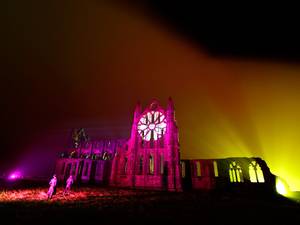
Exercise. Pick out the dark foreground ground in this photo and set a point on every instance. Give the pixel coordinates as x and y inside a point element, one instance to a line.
<point>96,205</point>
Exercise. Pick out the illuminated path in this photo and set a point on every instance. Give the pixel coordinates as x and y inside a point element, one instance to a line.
<point>120,206</point>
<point>87,194</point>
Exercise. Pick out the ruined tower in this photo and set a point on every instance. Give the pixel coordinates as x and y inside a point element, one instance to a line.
<point>151,157</point>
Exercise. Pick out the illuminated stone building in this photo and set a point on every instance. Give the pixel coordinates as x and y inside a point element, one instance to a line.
<point>228,173</point>
<point>90,162</point>
<point>150,159</point>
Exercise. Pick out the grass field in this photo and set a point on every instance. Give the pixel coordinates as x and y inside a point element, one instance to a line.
<point>96,205</point>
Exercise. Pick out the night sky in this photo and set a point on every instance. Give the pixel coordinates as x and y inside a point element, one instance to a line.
<point>235,82</point>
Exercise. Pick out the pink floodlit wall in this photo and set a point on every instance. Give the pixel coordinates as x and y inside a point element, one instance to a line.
<point>91,161</point>
<point>202,174</point>
<point>150,158</point>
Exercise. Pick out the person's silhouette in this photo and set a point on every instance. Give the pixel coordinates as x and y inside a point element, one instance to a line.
<point>69,183</point>
<point>52,187</point>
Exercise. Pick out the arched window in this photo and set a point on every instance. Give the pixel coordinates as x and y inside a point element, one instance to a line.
<point>161,164</point>
<point>140,171</point>
<point>151,165</point>
<point>151,139</point>
<point>183,169</point>
<point>198,169</point>
<point>235,173</point>
<point>255,173</point>
<point>216,172</point>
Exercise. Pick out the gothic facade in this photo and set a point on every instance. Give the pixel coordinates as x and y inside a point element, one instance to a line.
<point>150,159</point>
<point>91,161</point>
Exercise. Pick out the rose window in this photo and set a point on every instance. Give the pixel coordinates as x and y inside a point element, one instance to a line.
<point>152,125</point>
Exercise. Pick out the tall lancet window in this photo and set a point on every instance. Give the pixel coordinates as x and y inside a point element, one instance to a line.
<point>152,139</point>
<point>143,137</point>
<point>255,173</point>
<point>162,139</point>
<point>151,133</point>
<point>216,169</point>
<point>140,167</point>
<point>198,169</point>
<point>151,165</point>
<point>182,169</point>
<point>161,164</point>
<point>235,173</point>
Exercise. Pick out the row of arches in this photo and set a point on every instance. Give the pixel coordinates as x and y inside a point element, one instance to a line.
<point>235,171</point>
<point>150,163</point>
<point>255,172</point>
<point>198,170</point>
<point>153,143</point>
<point>74,155</point>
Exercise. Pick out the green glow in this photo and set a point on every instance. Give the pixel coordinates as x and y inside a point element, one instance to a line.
<point>240,174</point>
<point>255,173</point>
<point>260,175</point>
<point>216,169</point>
<point>230,175</point>
<point>235,173</point>
<point>262,121</point>
<point>198,166</point>
<point>281,187</point>
<point>252,174</point>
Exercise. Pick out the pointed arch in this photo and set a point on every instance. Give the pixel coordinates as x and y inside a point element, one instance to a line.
<point>252,173</point>
<point>216,172</point>
<point>161,164</point>
<point>256,173</point>
<point>182,169</point>
<point>151,164</point>
<point>198,169</point>
<point>235,173</point>
<point>140,165</point>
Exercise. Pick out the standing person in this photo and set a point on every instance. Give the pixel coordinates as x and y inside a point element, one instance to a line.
<point>52,187</point>
<point>69,182</point>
